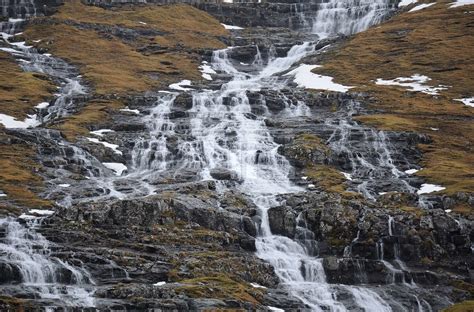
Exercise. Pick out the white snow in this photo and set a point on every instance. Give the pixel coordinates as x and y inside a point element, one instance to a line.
<point>421,7</point>
<point>255,285</point>
<point>159,284</point>
<point>311,186</point>
<point>101,132</point>
<point>118,168</point>
<point>307,79</point>
<point>11,122</point>
<point>448,210</point>
<point>460,3</point>
<point>16,20</point>
<point>206,71</point>
<point>42,105</point>
<point>113,147</point>
<point>10,50</point>
<point>26,217</point>
<point>304,178</point>
<point>467,101</point>
<point>180,86</point>
<point>143,23</point>
<point>406,2</point>
<point>64,185</point>
<point>41,212</point>
<point>429,188</point>
<point>346,175</point>
<point>414,83</point>
<point>275,309</point>
<point>3,195</point>
<point>22,45</point>
<point>126,109</point>
<point>231,27</point>
<point>435,129</point>
<point>411,171</point>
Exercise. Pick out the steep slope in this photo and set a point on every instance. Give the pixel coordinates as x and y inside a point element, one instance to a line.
<point>436,42</point>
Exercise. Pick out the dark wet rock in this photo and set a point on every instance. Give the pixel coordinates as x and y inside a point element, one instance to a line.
<point>223,174</point>
<point>282,221</point>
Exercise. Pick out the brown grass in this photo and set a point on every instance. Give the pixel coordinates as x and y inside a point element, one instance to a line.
<point>465,306</point>
<point>114,65</point>
<point>95,113</point>
<point>437,42</point>
<point>17,175</point>
<point>20,91</point>
<point>220,287</point>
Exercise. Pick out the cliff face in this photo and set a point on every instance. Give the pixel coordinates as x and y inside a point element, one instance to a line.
<point>144,165</point>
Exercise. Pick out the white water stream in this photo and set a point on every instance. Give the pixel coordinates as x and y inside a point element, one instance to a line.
<point>224,134</point>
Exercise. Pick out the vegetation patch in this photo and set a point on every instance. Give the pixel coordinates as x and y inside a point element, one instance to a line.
<point>436,42</point>
<point>220,287</point>
<point>93,114</point>
<point>20,91</point>
<point>18,176</point>
<point>465,306</point>
<point>129,50</point>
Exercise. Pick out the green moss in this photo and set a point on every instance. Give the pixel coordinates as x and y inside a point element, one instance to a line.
<point>220,287</point>
<point>464,286</point>
<point>465,306</point>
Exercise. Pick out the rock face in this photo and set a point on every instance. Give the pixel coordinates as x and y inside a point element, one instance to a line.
<point>166,239</point>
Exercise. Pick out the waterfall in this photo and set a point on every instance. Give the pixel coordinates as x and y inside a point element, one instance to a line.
<point>17,8</point>
<point>348,16</point>
<point>367,153</point>
<point>27,255</point>
<point>32,61</point>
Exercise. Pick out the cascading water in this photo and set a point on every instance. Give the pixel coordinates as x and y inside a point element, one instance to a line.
<point>27,255</point>
<point>368,156</point>
<point>32,61</point>
<point>348,16</point>
<point>226,135</point>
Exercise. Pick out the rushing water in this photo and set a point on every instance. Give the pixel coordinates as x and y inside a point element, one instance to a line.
<point>348,16</point>
<point>223,134</point>
<point>26,255</point>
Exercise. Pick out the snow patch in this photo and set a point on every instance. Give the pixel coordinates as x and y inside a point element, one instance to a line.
<point>460,3</point>
<point>255,285</point>
<point>404,3</point>
<point>304,178</point>
<point>414,83</point>
<point>101,132</point>
<point>206,71</point>
<point>421,7</point>
<point>429,188</point>
<point>41,212</point>
<point>275,309</point>
<point>128,110</point>
<point>159,284</point>
<point>231,27</point>
<point>118,168</point>
<point>311,186</point>
<point>11,122</point>
<point>346,175</point>
<point>180,86</point>
<point>64,185</point>
<point>307,79</point>
<point>113,147</point>
<point>467,101</point>
<point>42,105</point>
<point>411,171</point>
<point>448,210</point>
<point>434,129</point>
